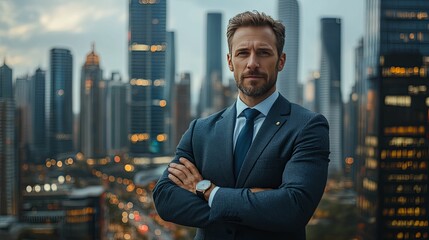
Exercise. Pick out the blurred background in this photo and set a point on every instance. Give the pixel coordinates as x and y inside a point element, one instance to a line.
<point>95,95</point>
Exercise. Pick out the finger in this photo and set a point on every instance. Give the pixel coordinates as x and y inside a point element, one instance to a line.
<point>177,173</point>
<point>182,168</point>
<point>191,167</point>
<point>175,180</point>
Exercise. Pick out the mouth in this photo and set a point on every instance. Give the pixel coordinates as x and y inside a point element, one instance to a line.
<point>253,77</point>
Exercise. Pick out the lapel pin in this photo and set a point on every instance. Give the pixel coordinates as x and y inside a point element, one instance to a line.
<point>277,123</point>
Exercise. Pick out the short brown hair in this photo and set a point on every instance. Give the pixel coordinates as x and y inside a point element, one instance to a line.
<point>256,19</point>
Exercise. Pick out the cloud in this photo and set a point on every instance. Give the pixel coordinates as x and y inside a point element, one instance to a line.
<point>22,31</point>
<point>7,13</point>
<point>72,17</point>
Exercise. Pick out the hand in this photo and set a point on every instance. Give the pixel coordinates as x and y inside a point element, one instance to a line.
<point>184,175</point>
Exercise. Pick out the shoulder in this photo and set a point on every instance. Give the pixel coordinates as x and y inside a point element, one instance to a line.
<point>304,116</point>
<point>215,117</point>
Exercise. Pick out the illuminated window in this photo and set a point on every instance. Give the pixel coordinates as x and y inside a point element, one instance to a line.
<point>403,101</point>
<point>417,89</point>
<point>140,82</point>
<point>148,1</point>
<point>159,82</point>
<point>396,71</point>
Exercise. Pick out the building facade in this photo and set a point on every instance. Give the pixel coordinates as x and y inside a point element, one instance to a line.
<point>328,87</point>
<point>147,51</point>
<point>117,115</point>
<point>60,102</point>
<point>393,176</point>
<point>182,106</point>
<point>23,118</point>
<point>39,143</point>
<point>212,86</point>
<point>9,181</point>
<point>287,81</point>
<point>170,80</point>
<point>93,139</point>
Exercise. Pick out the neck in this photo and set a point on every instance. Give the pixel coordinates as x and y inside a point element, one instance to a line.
<point>252,101</point>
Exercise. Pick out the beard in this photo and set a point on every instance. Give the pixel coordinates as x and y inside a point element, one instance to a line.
<point>255,91</point>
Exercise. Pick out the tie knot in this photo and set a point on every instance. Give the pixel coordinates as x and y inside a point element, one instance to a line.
<point>250,114</point>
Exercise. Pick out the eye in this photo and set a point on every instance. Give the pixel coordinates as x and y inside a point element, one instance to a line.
<point>264,53</point>
<point>241,53</point>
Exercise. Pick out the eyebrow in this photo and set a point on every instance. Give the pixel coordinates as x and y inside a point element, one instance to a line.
<point>263,47</point>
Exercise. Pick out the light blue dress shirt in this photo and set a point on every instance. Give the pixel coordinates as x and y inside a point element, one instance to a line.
<point>263,107</point>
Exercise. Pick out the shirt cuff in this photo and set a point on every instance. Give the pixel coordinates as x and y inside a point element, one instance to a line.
<point>212,194</point>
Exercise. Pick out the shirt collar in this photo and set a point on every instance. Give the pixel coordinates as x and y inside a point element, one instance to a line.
<point>263,107</point>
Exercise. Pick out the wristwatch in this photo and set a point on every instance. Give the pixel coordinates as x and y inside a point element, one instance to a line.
<point>201,187</point>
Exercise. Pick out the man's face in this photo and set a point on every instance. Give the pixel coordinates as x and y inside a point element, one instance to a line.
<point>255,61</point>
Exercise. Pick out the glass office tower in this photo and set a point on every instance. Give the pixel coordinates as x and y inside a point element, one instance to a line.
<point>60,107</point>
<point>147,47</point>
<point>394,139</point>
<point>328,87</point>
<point>287,83</point>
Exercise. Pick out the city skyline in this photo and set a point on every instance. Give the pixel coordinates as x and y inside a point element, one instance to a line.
<point>28,31</point>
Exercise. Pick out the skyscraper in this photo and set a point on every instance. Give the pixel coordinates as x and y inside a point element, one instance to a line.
<point>23,117</point>
<point>146,61</point>
<point>170,79</point>
<point>212,92</point>
<point>9,180</point>
<point>117,115</point>
<point>393,186</point>
<point>182,106</point>
<point>328,90</point>
<point>39,143</point>
<point>60,106</point>
<point>287,81</point>
<point>92,108</point>
<point>6,81</point>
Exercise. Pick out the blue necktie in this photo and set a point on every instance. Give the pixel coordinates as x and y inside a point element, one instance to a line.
<point>244,139</point>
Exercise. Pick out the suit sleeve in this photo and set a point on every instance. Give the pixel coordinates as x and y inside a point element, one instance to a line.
<point>178,205</point>
<point>291,205</point>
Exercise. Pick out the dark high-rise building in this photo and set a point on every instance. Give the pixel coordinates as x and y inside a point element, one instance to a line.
<point>212,86</point>
<point>39,143</point>
<point>6,81</point>
<point>328,87</point>
<point>117,115</point>
<point>85,214</point>
<point>287,81</point>
<point>182,106</point>
<point>60,102</point>
<point>146,61</point>
<point>310,91</point>
<point>393,98</point>
<point>23,118</point>
<point>170,77</point>
<point>92,108</point>
<point>9,181</point>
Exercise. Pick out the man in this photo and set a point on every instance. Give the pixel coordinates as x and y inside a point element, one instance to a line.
<point>256,170</point>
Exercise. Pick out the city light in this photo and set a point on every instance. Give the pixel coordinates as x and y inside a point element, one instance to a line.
<point>128,168</point>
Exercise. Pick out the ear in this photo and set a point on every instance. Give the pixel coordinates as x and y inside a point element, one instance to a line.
<point>282,61</point>
<point>228,58</point>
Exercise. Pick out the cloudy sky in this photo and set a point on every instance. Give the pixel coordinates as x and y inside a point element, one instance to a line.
<point>29,29</point>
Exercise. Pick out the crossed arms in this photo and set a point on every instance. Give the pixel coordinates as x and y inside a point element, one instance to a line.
<point>286,208</point>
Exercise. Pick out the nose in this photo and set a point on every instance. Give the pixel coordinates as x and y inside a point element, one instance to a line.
<point>252,64</point>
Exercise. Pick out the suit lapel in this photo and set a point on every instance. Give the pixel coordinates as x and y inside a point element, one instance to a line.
<point>224,131</point>
<point>275,119</point>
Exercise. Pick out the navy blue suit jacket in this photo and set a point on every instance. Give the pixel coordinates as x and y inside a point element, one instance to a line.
<point>289,154</point>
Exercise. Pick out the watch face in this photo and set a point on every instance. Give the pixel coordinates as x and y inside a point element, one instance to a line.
<point>203,185</point>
